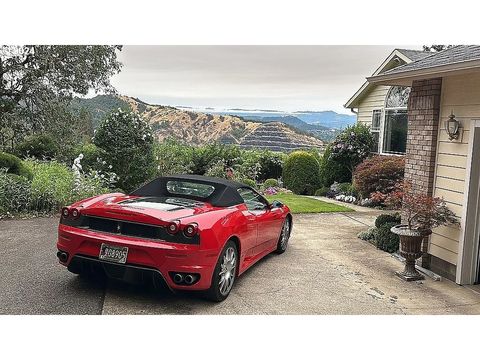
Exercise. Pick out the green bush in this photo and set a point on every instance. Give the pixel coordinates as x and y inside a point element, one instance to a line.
<point>322,191</point>
<point>348,150</point>
<point>15,194</point>
<point>301,173</point>
<point>385,239</point>
<point>127,144</point>
<point>14,165</point>
<point>368,235</point>
<point>52,186</point>
<point>91,156</point>
<point>271,164</point>
<point>387,218</point>
<point>250,183</point>
<point>270,183</point>
<point>172,157</point>
<point>332,171</point>
<point>38,146</point>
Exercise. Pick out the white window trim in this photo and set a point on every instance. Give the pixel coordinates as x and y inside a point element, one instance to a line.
<point>468,246</point>
<point>380,129</point>
<point>382,126</point>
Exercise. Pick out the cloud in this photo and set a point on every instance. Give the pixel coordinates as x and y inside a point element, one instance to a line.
<point>277,77</point>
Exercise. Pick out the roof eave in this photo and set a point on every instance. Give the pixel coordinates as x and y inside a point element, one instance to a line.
<point>406,78</point>
<point>354,101</point>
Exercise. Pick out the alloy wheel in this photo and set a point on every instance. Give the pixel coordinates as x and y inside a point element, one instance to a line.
<point>227,271</point>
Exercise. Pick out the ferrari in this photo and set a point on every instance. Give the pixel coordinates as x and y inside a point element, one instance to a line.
<point>189,232</point>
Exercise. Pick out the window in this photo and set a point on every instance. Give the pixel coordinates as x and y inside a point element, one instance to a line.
<point>375,128</point>
<point>253,200</point>
<point>396,120</point>
<point>190,188</point>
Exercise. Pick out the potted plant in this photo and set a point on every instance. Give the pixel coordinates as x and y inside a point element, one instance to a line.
<point>421,213</point>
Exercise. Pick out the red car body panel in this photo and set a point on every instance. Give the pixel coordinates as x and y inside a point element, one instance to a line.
<point>256,234</point>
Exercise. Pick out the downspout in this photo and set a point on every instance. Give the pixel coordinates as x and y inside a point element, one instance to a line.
<point>353,111</point>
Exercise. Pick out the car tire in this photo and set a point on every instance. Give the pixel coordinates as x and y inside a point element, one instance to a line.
<point>284,236</point>
<point>224,274</point>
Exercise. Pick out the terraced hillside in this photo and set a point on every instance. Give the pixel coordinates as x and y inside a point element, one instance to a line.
<point>277,136</point>
<point>203,128</point>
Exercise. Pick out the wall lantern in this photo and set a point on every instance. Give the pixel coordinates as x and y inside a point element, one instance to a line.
<point>452,126</point>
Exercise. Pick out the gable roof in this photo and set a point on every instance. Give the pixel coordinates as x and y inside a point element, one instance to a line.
<point>460,57</point>
<point>405,55</point>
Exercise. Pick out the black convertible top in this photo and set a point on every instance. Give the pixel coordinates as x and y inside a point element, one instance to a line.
<point>224,195</point>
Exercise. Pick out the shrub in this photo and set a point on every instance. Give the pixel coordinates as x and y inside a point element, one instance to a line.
<point>322,191</point>
<point>348,150</point>
<point>38,146</point>
<point>250,183</point>
<point>385,239</point>
<point>271,164</point>
<point>218,170</point>
<point>388,218</point>
<point>15,194</point>
<point>203,157</point>
<point>270,183</point>
<point>301,173</point>
<point>379,174</point>
<point>127,142</point>
<point>14,165</point>
<point>52,186</point>
<point>346,189</point>
<point>367,235</point>
<point>91,156</point>
<point>172,158</point>
<point>331,170</point>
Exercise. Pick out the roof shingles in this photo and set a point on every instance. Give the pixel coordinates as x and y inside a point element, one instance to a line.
<point>456,54</point>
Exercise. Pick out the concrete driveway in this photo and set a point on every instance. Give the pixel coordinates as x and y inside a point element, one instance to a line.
<point>326,270</point>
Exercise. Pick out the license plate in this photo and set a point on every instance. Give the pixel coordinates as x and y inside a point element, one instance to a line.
<point>111,253</point>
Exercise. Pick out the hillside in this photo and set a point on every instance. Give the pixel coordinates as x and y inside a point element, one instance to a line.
<point>201,128</point>
<point>320,132</point>
<point>327,119</point>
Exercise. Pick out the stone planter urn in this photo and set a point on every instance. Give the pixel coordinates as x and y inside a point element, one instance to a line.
<point>410,249</point>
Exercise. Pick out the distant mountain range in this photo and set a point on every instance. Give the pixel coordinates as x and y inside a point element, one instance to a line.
<point>326,119</point>
<point>200,128</point>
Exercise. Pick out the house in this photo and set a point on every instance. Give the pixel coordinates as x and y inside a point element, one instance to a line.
<point>384,108</point>
<point>442,148</point>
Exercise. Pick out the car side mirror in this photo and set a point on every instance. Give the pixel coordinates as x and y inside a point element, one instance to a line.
<point>275,204</point>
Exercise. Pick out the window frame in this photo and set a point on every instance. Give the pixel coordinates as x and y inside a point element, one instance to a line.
<point>382,125</point>
<point>260,196</point>
<point>379,130</point>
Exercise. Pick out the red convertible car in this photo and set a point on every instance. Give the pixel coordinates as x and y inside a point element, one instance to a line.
<point>190,232</point>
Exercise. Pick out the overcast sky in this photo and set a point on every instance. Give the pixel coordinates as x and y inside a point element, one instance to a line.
<point>287,78</point>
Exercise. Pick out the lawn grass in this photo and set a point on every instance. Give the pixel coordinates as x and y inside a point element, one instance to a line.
<point>299,204</point>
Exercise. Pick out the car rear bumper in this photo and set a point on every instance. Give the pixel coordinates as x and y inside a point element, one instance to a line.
<point>159,260</point>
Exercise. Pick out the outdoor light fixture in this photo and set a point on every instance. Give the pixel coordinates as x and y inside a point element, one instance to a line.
<point>452,126</point>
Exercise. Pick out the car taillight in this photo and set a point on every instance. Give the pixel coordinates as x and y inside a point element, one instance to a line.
<point>191,230</point>
<point>65,212</point>
<point>173,227</point>
<point>75,213</point>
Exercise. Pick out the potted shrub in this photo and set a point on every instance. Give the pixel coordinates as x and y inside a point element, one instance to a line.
<point>422,213</point>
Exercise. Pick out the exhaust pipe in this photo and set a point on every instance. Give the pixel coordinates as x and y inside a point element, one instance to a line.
<point>62,256</point>
<point>189,279</point>
<point>177,278</point>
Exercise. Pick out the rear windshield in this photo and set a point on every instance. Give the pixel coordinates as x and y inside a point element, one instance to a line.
<point>190,188</point>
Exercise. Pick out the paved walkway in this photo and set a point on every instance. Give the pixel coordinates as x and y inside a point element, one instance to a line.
<point>326,270</point>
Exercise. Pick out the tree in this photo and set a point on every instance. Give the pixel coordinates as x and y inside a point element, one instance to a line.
<point>34,76</point>
<point>126,141</point>
<point>436,48</point>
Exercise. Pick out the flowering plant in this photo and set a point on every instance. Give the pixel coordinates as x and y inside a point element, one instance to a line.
<point>352,146</point>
